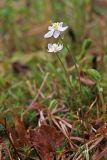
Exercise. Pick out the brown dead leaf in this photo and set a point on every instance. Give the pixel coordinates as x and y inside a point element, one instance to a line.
<point>19,127</point>
<point>8,131</point>
<point>4,148</point>
<point>86,81</point>
<point>46,139</point>
<point>18,67</point>
<point>101,3</point>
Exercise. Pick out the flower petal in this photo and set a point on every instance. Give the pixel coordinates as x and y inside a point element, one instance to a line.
<point>49,46</point>
<point>60,47</point>
<point>48,34</point>
<point>60,24</point>
<point>50,28</point>
<point>56,34</point>
<point>54,47</point>
<point>61,29</point>
<point>51,50</point>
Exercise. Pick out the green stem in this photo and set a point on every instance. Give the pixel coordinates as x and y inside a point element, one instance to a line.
<point>102,100</point>
<point>66,73</point>
<point>73,58</point>
<point>76,67</point>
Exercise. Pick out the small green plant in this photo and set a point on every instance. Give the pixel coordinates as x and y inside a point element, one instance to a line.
<point>55,31</point>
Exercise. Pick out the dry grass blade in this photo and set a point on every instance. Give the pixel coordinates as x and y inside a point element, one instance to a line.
<point>33,104</point>
<point>40,89</point>
<point>79,139</point>
<point>42,119</point>
<point>8,151</point>
<point>91,106</point>
<point>63,128</point>
<point>63,121</point>
<point>100,155</point>
<point>98,140</point>
<point>94,143</point>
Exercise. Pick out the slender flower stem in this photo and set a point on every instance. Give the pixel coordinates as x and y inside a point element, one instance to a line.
<point>76,67</point>
<point>73,58</point>
<point>66,73</point>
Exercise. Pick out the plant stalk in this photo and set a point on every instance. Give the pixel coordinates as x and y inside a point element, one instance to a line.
<point>73,58</point>
<point>66,73</point>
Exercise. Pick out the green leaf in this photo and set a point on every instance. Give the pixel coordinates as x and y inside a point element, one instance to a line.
<point>53,103</point>
<point>95,75</point>
<point>86,44</point>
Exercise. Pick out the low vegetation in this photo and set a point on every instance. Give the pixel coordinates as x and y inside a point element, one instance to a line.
<point>53,105</point>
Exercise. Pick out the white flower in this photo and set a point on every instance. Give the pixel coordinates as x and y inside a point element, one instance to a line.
<point>55,30</point>
<point>54,47</point>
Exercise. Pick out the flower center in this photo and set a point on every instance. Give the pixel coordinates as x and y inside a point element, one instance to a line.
<point>55,25</point>
<point>55,46</point>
